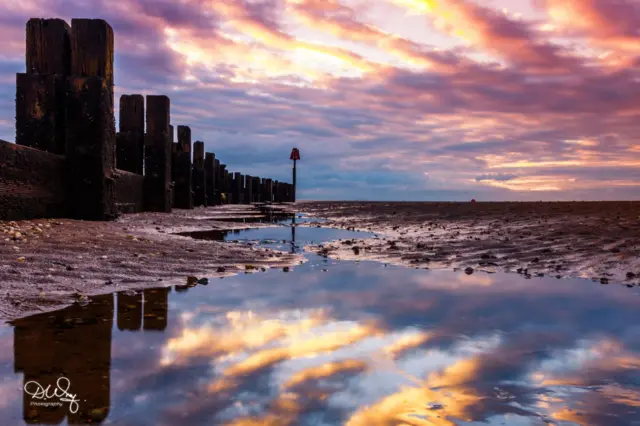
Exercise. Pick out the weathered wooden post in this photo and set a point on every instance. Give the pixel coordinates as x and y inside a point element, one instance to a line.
<point>40,92</point>
<point>232,188</point>
<point>255,189</point>
<point>174,150</point>
<point>234,180</point>
<point>218,190</point>
<point>248,190</point>
<point>276,189</point>
<point>156,306</point>
<point>90,135</point>
<point>130,139</point>
<point>157,165</point>
<point>230,182</point>
<point>184,177</point>
<point>238,188</point>
<point>295,156</point>
<point>92,51</point>
<point>223,184</point>
<point>199,176</point>
<point>129,311</point>
<point>268,187</point>
<point>210,177</point>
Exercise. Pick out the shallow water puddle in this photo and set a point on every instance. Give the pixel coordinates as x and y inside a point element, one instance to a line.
<point>334,343</point>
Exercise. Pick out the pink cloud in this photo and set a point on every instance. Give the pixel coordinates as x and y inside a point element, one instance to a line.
<point>360,100</point>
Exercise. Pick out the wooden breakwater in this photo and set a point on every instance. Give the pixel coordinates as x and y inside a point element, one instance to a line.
<point>68,159</point>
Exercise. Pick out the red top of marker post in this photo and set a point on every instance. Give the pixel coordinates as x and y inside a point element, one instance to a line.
<point>295,154</point>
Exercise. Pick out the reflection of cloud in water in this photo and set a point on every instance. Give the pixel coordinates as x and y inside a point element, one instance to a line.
<point>472,348</point>
<point>371,345</point>
<point>241,332</point>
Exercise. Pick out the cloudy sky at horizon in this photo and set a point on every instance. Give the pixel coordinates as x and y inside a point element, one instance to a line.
<point>386,99</point>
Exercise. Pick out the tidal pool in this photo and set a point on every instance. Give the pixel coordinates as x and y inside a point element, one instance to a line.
<point>329,343</point>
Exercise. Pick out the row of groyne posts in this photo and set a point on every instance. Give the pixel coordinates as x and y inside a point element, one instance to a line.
<point>68,159</point>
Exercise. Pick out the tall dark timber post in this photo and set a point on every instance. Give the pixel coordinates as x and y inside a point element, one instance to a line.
<point>40,92</point>
<point>183,174</point>
<point>218,182</point>
<point>210,177</point>
<point>174,149</point>
<point>236,188</point>
<point>227,186</point>
<point>254,189</point>
<point>248,190</point>
<point>90,136</point>
<point>130,139</point>
<point>232,184</point>
<point>199,176</point>
<point>223,184</point>
<point>92,51</point>
<point>268,187</point>
<point>157,193</point>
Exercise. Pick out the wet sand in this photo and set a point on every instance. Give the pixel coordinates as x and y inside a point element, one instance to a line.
<point>594,240</point>
<point>46,264</point>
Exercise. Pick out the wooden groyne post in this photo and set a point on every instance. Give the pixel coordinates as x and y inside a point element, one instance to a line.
<point>90,134</point>
<point>210,178</point>
<point>183,198</point>
<point>158,139</point>
<point>130,138</point>
<point>199,176</point>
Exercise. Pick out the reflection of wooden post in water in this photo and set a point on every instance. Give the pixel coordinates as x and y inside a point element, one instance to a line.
<point>129,315</point>
<point>156,302</point>
<point>74,343</point>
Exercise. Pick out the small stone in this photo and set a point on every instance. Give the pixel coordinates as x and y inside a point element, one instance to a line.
<point>192,280</point>
<point>98,414</point>
<point>203,281</point>
<point>21,259</point>
<point>221,269</point>
<point>468,271</point>
<point>285,269</point>
<point>604,280</point>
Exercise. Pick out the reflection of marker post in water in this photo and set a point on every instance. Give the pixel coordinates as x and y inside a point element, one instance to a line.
<point>295,156</point>
<point>293,233</point>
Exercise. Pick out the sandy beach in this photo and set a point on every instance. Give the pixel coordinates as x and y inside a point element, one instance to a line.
<point>46,264</point>
<point>49,263</point>
<point>594,240</point>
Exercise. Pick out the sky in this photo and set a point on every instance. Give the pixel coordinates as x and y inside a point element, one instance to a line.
<point>386,99</point>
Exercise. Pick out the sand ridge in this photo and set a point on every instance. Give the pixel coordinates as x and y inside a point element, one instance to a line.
<point>595,240</point>
<point>46,264</point>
